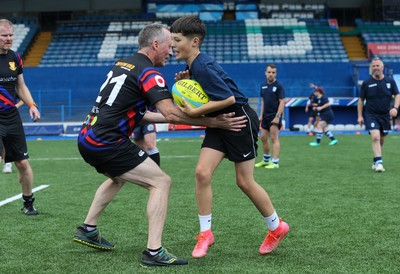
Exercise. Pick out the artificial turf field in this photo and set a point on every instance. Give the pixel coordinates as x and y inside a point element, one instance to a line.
<point>343,217</point>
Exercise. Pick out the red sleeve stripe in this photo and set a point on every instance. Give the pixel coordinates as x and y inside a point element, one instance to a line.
<point>149,80</point>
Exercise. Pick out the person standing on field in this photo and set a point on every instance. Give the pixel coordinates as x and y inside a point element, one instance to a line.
<point>272,96</point>
<point>374,108</point>
<point>188,33</point>
<point>325,113</point>
<point>12,134</point>
<point>313,118</point>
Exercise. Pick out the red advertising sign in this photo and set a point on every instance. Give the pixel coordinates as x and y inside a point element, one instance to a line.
<point>333,23</point>
<point>383,48</point>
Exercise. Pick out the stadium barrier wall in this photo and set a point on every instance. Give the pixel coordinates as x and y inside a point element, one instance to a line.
<point>67,93</point>
<point>84,82</point>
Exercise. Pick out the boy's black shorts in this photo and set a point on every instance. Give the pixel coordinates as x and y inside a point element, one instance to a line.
<point>237,146</point>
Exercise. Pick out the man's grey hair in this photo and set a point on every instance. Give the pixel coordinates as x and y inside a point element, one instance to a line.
<point>5,22</point>
<point>377,59</point>
<point>150,33</point>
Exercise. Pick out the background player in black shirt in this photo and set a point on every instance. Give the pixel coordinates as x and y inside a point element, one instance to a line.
<point>12,135</point>
<point>132,85</point>
<point>325,113</point>
<point>377,92</point>
<point>272,96</point>
<point>312,114</point>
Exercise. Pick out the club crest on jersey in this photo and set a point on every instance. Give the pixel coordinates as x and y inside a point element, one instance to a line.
<point>388,85</point>
<point>160,81</point>
<point>274,89</point>
<point>12,66</point>
<point>150,127</point>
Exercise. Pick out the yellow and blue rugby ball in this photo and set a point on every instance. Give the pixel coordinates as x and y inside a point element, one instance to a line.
<point>191,91</point>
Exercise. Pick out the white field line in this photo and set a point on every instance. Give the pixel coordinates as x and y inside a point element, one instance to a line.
<point>19,196</point>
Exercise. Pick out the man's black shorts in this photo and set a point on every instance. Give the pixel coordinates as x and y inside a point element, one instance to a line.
<point>116,160</point>
<point>380,122</point>
<point>266,122</point>
<point>12,137</point>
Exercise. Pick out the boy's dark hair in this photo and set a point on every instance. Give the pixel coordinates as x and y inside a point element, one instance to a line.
<point>273,66</point>
<point>190,26</point>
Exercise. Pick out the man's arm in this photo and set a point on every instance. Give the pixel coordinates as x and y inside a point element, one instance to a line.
<point>360,107</point>
<point>279,112</point>
<point>26,97</point>
<point>174,115</point>
<point>281,106</point>
<point>19,104</point>
<point>261,109</point>
<point>395,109</point>
<point>153,117</point>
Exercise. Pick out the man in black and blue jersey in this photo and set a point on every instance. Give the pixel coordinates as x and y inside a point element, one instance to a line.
<point>12,135</point>
<point>133,85</point>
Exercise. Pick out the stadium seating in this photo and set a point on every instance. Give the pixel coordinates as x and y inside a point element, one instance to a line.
<point>276,40</point>
<point>98,43</point>
<point>95,43</point>
<point>381,32</point>
<point>24,31</point>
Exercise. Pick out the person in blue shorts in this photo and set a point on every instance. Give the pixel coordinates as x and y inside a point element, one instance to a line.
<point>374,108</point>
<point>188,33</point>
<point>326,116</point>
<point>272,96</point>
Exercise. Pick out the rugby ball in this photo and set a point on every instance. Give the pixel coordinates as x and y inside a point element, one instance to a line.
<point>191,91</point>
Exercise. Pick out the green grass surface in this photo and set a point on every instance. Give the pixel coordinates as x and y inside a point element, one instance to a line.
<point>343,217</point>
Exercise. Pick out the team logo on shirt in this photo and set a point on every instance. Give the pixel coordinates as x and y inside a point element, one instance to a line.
<point>160,81</point>
<point>12,66</point>
<point>388,85</point>
<point>150,127</point>
<point>274,89</point>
